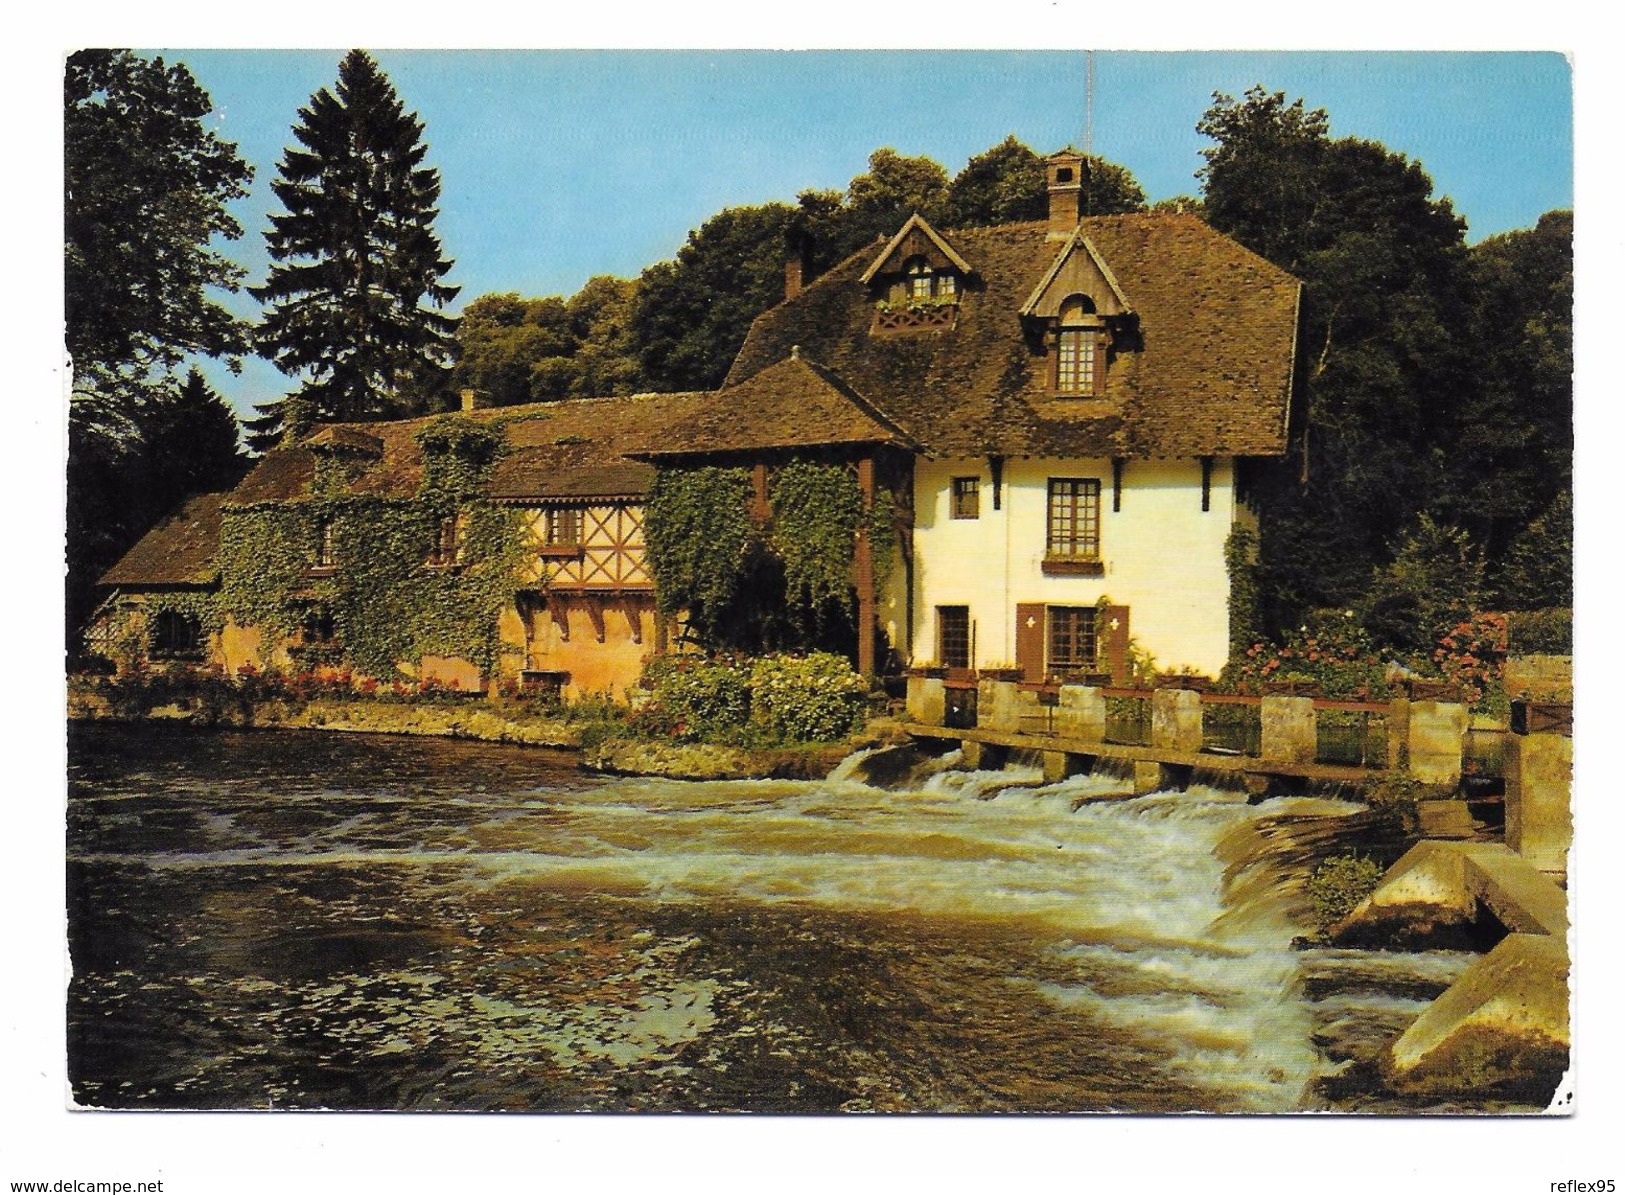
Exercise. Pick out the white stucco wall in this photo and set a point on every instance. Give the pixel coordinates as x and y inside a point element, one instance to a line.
<point>1163,556</point>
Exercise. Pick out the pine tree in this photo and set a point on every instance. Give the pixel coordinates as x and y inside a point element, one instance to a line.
<point>358,271</point>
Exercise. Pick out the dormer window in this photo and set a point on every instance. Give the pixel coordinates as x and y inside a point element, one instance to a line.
<point>922,284</point>
<point>1080,348</point>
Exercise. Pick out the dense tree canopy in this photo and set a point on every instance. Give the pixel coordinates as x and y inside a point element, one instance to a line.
<point>146,191</point>
<point>514,350</point>
<point>691,314</point>
<point>146,188</point>
<point>1436,377</point>
<point>354,294</point>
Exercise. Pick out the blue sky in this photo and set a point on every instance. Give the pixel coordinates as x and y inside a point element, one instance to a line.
<point>559,165</point>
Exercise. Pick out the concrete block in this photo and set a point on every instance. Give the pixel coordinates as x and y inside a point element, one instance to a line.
<point>1437,734</point>
<point>998,705</point>
<point>1399,734</point>
<point>1176,720</point>
<point>1287,726</point>
<point>927,700</point>
<point>1149,777</point>
<point>1539,780</point>
<point>1431,897</point>
<point>1081,714</point>
<point>1502,1027</point>
<point>1445,819</point>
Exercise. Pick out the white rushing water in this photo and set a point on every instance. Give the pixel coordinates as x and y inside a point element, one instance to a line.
<point>1156,918</point>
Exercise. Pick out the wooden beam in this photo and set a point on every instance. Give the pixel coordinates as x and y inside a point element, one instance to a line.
<point>863,564</point>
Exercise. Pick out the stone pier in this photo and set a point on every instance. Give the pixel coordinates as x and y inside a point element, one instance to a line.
<point>1435,736</point>
<point>1287,729</point>
<point>927,699</point>
<point>1539,825</point>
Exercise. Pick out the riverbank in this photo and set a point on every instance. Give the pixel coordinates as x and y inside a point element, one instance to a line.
<point>473,718</point>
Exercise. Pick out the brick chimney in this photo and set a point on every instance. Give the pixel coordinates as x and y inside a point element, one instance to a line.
<point>471,400</point>
<point>1067,171</point>
<point>797,263</point>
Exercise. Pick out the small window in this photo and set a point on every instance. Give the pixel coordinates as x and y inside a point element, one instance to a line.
<point>923,283</point>
<point>449,540</point>
<point>1071,640</point>
<point>953,636</point>
<point>563,529</point>
<point>1074,518</point>
<point>327,555</point>
<point>967,497</point>
<point>318,627</point>
<point>175,634</point>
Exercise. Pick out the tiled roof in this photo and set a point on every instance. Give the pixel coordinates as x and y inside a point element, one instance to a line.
<point>1211,372</point>
<point>178,551</point>
<point>571,449</point>
<point>793,403</point>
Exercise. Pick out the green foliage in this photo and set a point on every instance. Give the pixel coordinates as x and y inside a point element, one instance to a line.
<point>146,185</point>
<point>355,285</point>
<point>699,698</point>
<point>1541,632</point>
<point>698,528</point>
<point>689,317</point>
<point>388,604</point>
<point>515,350</point>
<point>1393,797</point>
<point>807,699</point>
<point>202,607</point>
<point>1241,562</point>
<point>146,188</point>
<point>1390,371</point>
<point>1435,581</point>
<point>1539,567</point>
<point>1338,884</point>
<point>1330,649</point>
<point>770,701</point>
<point>816,512</point>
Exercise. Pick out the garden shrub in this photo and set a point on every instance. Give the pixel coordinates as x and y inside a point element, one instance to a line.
<point>1339,884</point>
<point>1541,632</point>
<point>697,697</point>
<point>807,699</point>
<point>1330,649</point>
<point>1394,797</point>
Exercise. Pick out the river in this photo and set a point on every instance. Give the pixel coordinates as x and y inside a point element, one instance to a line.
<point>308,920</point>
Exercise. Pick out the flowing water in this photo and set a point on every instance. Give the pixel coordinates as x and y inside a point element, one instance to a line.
<point>307,920</point>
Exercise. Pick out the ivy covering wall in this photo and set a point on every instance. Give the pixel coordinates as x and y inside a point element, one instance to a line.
<point>390,600</point>
<point>783,585</point>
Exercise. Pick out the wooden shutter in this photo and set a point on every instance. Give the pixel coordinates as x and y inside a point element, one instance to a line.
<point>1030,640</point>
<point>1102,346</point>
<point>1115,637</point>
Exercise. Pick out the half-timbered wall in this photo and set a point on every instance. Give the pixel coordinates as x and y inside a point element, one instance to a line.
<point>609,558</point>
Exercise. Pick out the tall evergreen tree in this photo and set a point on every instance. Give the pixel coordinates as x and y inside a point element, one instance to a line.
<point>355,293</point>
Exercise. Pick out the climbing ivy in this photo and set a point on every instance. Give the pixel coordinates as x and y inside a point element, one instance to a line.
<point>389,603</point>
<point>204,608</point>
<point>1241,559</point>
<point>816,512</point>
<point>698,529</point>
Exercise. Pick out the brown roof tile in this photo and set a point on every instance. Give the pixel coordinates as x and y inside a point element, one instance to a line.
<point>1212,373</point>
<point>793,403</point>
<point>178,551</point>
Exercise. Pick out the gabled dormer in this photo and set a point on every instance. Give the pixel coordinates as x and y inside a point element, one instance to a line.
<point>1078,315</point>
<point>917,281</point>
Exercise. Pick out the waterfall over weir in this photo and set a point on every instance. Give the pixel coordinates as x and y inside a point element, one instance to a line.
<point>427,925</point>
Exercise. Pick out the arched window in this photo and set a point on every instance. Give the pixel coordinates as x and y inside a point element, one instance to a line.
<point>1080,348</point>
